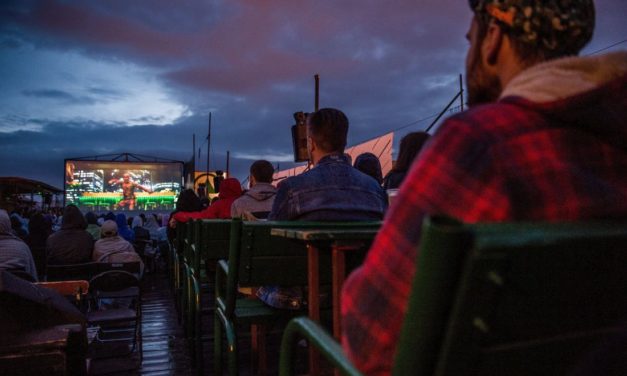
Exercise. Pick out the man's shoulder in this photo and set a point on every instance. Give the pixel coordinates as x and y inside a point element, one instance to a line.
<point>492,122</point>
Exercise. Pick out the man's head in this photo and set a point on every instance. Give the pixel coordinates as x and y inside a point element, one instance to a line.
<point>109,229</point>
<point>261,171</point>
<point>327,129</point>
<point>126,177</point>
<point>507,36</point>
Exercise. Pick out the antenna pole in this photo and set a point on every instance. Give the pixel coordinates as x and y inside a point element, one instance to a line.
<point>461,90</point>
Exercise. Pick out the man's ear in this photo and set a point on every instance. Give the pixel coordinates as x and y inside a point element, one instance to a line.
<point>492,43</point>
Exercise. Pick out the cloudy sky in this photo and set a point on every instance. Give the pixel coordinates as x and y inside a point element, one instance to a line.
<point>86,77</point>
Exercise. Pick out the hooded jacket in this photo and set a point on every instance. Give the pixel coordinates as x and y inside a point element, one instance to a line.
<point>123,230</point>
<point>14,253</point>
<point>230,190</point>
<point>552,148</point>
<point>257,202</point>
<point>72,244</point>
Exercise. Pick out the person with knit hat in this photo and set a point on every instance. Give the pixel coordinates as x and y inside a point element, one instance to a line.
<point>111,247</point>
<point>545,139</point>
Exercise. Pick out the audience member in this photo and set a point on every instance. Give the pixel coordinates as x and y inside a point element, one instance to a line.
<point>142,241</point>
<point>544,140</point>
<point>152,226</point>
<point>187,202</point>
<point>230,190</point>
<point>370,165</point>
<point>71,244</point>
<point>123,228</point>
<point>92,225</point>
<point>18,227</point>
<point>332,190</point>
<point>113,248</point>
<point>14,253</point>
<point>39,228</point>
<point>411,145</point>
<point>257,202</point>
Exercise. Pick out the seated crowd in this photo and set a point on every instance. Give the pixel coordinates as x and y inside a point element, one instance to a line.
<point>33,244</point>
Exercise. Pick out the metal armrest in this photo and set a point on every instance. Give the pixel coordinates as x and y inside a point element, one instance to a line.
<point>303,327</point>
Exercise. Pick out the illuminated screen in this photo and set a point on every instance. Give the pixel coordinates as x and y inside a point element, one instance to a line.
<point>113,186</point>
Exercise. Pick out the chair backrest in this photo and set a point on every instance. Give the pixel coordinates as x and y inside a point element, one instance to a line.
<point>71,272</point>
<point>266,259</point>
<point>130,267</point>
<point>113,280</point>
<point>521,298</point>
<point>212,238</point>
<point>256,258</point>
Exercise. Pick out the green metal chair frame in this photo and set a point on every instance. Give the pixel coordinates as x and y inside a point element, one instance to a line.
<point>255,259</point>
<point>521,298</point>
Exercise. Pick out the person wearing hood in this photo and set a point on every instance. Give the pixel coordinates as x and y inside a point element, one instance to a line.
<point>72,244</point>
<point>230,190</point>
<point>92,225</point>
<point>153,227</point>
<point>257,202</point>
<point>113,248</point>
<point>14,253</point>
<point>123,230</point>
<point>545,139</point>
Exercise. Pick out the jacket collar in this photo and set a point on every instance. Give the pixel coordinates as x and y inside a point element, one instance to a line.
<point>334,158</point>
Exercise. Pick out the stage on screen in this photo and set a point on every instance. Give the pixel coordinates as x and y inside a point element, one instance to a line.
<point>113,186</point>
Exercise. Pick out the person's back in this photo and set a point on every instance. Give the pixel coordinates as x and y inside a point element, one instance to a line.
<point>113,248</point>
<point>411,144</point>
<point>541,144</point>
<point>230,190</point>
<point>370,165</point>
<point>92,225</point>
<point>333,190</point>
<point>71,244</point>
<point>257,202</point>
<point>14,253</point>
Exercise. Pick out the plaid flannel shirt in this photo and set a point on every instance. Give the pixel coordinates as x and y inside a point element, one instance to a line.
<point>511,160</point>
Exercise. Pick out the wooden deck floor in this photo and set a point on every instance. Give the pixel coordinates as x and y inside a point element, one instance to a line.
<point>165,349</point>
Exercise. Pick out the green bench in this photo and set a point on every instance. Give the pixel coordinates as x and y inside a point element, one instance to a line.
<point>514,298</point>
<point>257,258</point>
<point>202,243</point>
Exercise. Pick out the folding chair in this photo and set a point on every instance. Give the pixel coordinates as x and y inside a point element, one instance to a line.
<point>71,272</point>
<point>117,285</point>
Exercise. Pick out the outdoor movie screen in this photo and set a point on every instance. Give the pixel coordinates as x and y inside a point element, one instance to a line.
<point>111,186</point>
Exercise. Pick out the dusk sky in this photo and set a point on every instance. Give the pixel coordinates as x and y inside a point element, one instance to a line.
<point>85,77</point>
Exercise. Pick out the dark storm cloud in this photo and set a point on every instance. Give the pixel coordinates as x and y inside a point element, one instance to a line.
<point>251,63</point>
<point>58,95</point>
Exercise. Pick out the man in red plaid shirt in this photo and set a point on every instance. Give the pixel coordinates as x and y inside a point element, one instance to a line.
<point>545,139</point>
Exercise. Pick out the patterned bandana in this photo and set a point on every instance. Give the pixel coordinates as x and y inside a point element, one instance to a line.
<point>554,25</point>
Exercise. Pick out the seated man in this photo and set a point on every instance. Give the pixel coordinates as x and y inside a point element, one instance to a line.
<point>331,191</point>
<point>545,140</point>
<point>113,248</point>
<point>14,253</point>
<point>72,244</point>
<point>257,202</point>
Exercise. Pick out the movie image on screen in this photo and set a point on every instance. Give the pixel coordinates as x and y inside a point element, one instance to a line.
<point>113,186</point>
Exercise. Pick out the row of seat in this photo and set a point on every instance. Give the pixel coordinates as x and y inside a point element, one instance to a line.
<point>249,256</point>
<point>530,298</point>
